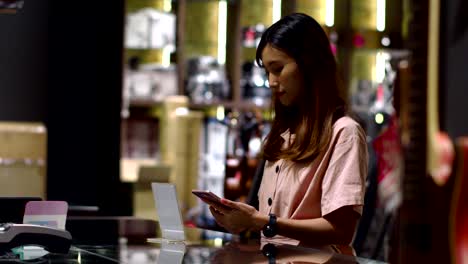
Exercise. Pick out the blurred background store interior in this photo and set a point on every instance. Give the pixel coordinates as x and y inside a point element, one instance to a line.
<point>100,98</point>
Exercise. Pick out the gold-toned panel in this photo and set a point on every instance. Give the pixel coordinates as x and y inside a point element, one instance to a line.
<point>363,14</point>
<point>135,5</point>
<point>145,55</point>
<point>257,12</point>
<point>201,28</point>
<point>249,54</point>
<point>315,8</point>
<point>23,155</point>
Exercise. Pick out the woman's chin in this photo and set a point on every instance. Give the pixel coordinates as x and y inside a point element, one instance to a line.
<point>284,102</point>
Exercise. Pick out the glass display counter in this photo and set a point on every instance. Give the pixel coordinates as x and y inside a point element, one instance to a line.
<point>192,251</point>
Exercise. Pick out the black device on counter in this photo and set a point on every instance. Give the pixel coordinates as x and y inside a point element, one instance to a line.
<point>51,239</point>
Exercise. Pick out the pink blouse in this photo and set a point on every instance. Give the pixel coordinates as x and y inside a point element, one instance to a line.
<point>335,179</point>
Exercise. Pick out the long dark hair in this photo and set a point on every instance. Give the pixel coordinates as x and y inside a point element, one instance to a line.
<point>319,105</point>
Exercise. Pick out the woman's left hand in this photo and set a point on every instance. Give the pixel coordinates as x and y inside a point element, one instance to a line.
<point>240,218</point>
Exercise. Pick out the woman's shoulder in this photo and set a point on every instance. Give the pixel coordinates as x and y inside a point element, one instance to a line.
<point>347,128</point>
<point>345,121</point>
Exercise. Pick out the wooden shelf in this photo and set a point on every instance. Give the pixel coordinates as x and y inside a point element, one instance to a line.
<point>243,105</point>
<point>144,103</point>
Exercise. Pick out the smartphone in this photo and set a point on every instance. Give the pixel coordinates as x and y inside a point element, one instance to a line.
<point>208,195</point>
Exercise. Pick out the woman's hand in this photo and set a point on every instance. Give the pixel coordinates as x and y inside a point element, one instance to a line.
<point>240,217</point>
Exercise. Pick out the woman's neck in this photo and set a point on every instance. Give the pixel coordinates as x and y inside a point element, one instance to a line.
<point>292,117</point>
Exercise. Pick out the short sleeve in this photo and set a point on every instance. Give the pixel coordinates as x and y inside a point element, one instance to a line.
<point>344,181</point>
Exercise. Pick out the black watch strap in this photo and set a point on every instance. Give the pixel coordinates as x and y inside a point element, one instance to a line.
<point>269,251</point>
<point>269,230</point>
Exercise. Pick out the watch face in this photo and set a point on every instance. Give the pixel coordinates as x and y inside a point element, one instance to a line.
<point>269,250</point>
<point>269,231</point>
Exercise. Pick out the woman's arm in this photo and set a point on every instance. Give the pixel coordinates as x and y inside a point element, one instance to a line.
<point>335,228</point>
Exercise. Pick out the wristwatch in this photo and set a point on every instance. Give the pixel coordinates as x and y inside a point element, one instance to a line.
<point>269,230</point>
<point>269,251</point>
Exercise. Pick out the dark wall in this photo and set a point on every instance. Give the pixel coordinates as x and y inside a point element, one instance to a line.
<point>454,67</point>
<point>61,64</point>
<point>84,117</point>
<point>23,63</point>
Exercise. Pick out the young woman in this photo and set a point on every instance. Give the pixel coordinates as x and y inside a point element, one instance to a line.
<point>313,186</point>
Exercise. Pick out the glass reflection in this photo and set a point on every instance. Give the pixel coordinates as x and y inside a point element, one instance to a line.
<point>172,252</point>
